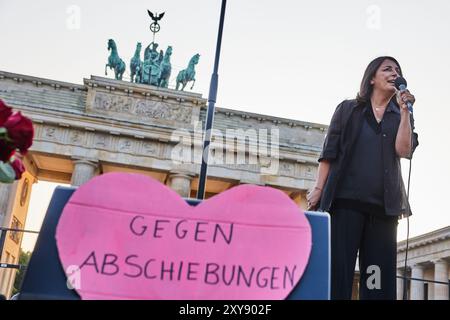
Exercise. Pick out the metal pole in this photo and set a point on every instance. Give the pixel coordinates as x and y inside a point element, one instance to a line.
<point>211,105</point>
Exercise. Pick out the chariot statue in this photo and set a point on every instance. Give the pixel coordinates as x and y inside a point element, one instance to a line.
<point>155,69</point>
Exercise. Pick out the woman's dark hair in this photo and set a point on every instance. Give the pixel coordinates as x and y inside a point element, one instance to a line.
<point>366,88</point>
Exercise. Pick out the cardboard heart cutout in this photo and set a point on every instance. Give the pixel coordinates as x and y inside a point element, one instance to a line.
<point>131,237</point>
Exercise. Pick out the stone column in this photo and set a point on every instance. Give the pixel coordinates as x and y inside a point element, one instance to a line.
<point>181,183</point>
<point>7,192</point>
<point>417,292</point>
<point>83,170</point>
<point>400,281</point>
<point>440,274</point>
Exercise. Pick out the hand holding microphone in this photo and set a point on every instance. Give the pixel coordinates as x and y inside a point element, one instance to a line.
<point>404,98</point>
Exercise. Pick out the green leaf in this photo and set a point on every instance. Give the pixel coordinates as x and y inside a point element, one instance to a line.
<point>3,132</point>
<point>7,173</point>
<point>4,135</point>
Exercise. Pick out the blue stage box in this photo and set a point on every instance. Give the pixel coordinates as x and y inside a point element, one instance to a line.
<point>45,277</point>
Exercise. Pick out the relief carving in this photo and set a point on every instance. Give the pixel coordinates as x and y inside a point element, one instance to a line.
<point>102,102</point>
<point>309,173</point>
<point>181,114</point>
<point>76,137</point>
<point>50,133</point>
<point>121,104</point>
<point>287,168</point>
<point>125,145</point>
<point>150,148</point>
<point>101,141</point>
<point>146,109</point>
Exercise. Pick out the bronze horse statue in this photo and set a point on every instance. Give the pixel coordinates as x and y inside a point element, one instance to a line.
<point>188,74</point>
<point>165,69</point>
<point>114,61</point>
<point>136,64</point>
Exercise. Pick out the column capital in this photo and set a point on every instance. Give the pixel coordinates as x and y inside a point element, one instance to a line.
<point>93,162</point>
<point>439,261</point>
<point>181,174</point>
<point>401,271</point>
<point>251,181</point>
<point>417,266</point>
<point>180,181</point>
<point>83,170</point>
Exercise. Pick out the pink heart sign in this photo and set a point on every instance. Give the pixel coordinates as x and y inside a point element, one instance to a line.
<point>131,237</point>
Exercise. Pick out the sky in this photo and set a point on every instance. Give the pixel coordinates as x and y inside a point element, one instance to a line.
<point>290,59</point>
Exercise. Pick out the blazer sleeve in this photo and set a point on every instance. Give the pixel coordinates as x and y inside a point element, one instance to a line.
<point>415,137</point>
<point>330,148</point>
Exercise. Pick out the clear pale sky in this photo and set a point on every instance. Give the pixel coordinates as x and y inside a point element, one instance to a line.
<point>292,59</point>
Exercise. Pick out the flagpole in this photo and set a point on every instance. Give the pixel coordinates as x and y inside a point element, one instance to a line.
<point>211,106</point>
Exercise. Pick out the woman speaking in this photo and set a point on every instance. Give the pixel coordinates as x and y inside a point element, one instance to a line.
<point>359,182</point>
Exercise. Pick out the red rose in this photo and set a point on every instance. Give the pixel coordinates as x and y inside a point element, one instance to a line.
<point>5,112</point>
<point>20,131</point>
<point>6,151</point>
<point>18,167</point>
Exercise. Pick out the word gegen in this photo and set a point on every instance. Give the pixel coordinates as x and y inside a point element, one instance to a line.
<point>199,231</point>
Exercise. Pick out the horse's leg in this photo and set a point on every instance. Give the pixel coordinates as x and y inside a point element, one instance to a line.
<point>193,84</point>
<point>138,76</point>
<point>106,66</point>
<point>122,68</point>
<point>180,78</point>
<point>117,72</point>
<point>178,81</point>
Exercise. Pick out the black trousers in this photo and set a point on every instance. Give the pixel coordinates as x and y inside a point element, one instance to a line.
<point>375,236</point>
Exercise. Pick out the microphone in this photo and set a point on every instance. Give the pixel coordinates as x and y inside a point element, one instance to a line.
<point>400,84</point>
